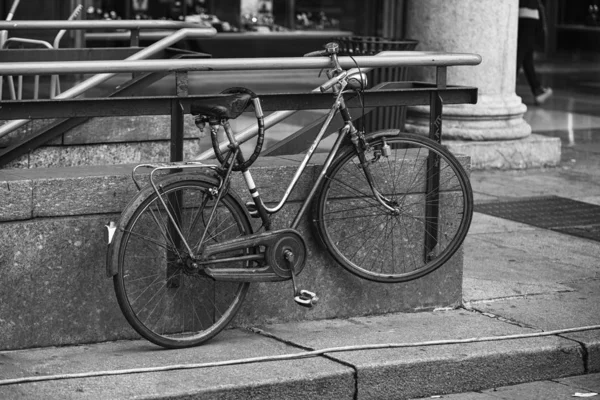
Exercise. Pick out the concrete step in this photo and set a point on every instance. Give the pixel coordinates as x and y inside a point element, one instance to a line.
<point>122,140</point>
<point>52,254</point>
<point>395,356</point>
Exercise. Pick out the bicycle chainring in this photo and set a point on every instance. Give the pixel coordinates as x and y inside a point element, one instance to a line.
<point>286,253</point>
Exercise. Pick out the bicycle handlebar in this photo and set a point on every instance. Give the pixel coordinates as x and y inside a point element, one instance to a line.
<point>317,53</point>
<point>329,84</point>
<point>330,49</point>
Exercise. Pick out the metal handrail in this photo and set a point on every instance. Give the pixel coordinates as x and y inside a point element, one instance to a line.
<point>384,59</point>
<point>9,17</point>
<point>54,79</point>
<point>97,24</point>
<point>101,77</point>
<point>9,78</point>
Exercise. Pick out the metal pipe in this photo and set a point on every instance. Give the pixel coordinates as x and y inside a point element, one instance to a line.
<point>97,79</point>
<point>62,32</point>
<point>278,116</point>
<point>13,9</point>
<point>4,34</point>
<point>100,24</point>
<point>386,59</point>
<point>25,40</point>
<point>54,79</point>
<point>125,36</point>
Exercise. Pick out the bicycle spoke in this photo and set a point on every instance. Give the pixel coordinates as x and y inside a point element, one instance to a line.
<point>162,296</point>
<point>384,245</point>
<point>150,240</point>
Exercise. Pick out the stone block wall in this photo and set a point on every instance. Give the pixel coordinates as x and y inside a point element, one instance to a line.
<point>52,260</point>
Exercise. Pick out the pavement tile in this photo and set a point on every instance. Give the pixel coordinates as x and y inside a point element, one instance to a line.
<point>534,182</point>
<point>401,372</point>
<point>483,223</point>
<point>553,311</point>
<point>534,391</point>
<point>559,311</point>
<point>462,396</point>
<point>589,382</point>
<point>311,378</point>
<point>520,256</point>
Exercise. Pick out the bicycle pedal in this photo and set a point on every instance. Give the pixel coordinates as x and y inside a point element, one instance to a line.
<point>306,299</point>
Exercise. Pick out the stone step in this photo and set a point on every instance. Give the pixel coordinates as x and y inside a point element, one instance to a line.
<point>52,256</point>
<point>122,140</point>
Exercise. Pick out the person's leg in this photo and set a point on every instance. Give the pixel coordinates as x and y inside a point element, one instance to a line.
<point>525,49</point>
<point>525,52</point>
<point>529,69</point>
<point>520,48</point>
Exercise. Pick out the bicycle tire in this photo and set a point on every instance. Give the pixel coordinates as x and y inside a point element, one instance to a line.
<point>372,242</point>
<point>164,300</point>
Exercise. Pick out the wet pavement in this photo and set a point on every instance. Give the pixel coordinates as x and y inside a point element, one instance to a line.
<point>573,112</point>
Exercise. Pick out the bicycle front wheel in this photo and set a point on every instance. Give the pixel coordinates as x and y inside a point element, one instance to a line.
<point>426,211</point>
<point>161,294</point>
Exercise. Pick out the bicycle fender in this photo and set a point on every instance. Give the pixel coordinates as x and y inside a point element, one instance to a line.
<point>385,132</point>
<point>116,233</point>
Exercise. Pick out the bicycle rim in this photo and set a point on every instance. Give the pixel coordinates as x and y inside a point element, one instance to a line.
<point>163,299</point>
<point>431,214</point>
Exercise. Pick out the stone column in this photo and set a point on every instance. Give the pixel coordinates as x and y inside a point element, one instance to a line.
<point>484,130</point>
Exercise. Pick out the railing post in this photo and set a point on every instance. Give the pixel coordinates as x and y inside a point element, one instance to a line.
<point>181,82</point>
<point>173,278</point>
<point>432,190</point>
<point>176,131</point>
<point>134,40</point>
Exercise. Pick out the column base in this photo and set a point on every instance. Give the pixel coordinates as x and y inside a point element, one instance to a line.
<point>494,117</point>
<point>534,151</point>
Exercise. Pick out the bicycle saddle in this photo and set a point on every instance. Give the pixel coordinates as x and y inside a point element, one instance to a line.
<point>222,107</point>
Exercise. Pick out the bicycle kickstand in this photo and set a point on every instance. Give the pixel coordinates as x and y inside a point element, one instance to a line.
<point>304,298</point>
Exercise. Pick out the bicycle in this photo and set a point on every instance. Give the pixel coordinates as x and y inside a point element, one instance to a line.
<point>388,206</point>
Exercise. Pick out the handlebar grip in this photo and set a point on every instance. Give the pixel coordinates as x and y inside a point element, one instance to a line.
<point>330,48</point>
<point>329,84</point>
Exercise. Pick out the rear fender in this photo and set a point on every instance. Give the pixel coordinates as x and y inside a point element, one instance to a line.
<point>114,232</point>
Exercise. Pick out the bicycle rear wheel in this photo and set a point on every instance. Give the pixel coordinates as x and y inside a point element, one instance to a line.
<point>164,298</point>
<point>430,206</point>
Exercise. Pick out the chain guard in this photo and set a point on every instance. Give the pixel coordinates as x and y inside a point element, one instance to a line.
<point>275,243</point>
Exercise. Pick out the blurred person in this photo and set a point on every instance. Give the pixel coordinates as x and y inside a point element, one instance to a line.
<point>531,23</point>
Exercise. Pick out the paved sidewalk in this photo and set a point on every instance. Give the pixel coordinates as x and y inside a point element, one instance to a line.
<point>582,386</point>
<point>518,280</point>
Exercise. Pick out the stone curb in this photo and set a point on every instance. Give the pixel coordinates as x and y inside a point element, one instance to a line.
<point>365,374</point>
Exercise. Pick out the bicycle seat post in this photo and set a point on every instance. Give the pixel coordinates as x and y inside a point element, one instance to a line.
<point>230,136</point>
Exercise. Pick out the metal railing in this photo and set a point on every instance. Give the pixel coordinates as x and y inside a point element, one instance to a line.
<point>54,80</point>
<point>103,74</point>
<point>134,26</point>
<point>283,105</point>
<point>383,59</point>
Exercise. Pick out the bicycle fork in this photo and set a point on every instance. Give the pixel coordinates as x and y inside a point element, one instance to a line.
<point>360,144</point>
